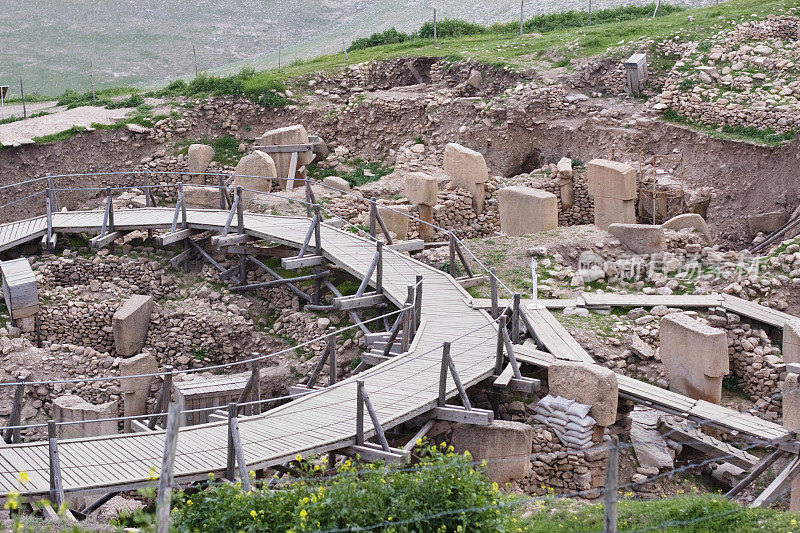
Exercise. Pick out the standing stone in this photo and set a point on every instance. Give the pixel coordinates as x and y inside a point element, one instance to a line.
<point>130,324</point>
<point>524,210</point>
<point>791,341</point>
<point>136,390</point>
<point>296,134</point>
<point>613,186</point>
<point>198,158</point>
<point>396,219</point>
<point>696,356</point>
<point>422,189</point>
<point>335,182</point>
<point>467,169</point>
<point>790,402</point>
<point>690,220</point>
<point>593,385</point>
<point>564,181</point>
<point>70,408</point>
<point>201,197</point>
<point>639,238</point>
<point>504,445</point>
<point>254,173</point>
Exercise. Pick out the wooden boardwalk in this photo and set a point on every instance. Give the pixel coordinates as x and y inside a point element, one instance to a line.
<point>400,389</point>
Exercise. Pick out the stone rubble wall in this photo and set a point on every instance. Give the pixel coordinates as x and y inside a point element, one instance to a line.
<point>582,210</point>
<point>724,90</point>
<point>563,469</point>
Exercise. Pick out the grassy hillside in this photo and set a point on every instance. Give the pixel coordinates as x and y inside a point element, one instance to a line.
<point>52,44</point>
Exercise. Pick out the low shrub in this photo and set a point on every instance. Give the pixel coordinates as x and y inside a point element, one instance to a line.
<point>444,492</point>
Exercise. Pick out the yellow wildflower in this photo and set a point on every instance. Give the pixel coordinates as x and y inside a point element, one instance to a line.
<point>298,457</point>
<point>253,513</point>
<point>23,477</point>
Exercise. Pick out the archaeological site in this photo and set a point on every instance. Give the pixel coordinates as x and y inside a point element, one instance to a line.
<point>531,276</point>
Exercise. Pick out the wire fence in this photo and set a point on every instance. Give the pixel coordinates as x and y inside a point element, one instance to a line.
<point>417,268</point>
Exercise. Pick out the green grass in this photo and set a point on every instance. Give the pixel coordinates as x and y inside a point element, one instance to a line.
<point>355,177</point>
<point>765,137</point>
<point>60,136</point>
<point>73,99</point>
<point>261,87</point>
<point>226,148</point>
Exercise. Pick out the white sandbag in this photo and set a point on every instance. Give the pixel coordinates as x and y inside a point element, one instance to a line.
<point>579,409</point>
<point>541,419</point>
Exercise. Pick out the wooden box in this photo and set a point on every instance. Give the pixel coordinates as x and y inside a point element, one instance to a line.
<point>19,288</point>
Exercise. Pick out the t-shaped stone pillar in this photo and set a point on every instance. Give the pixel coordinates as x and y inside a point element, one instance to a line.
<point>467,169</point>
<point>696,356</point>
<point>613,186</point>
<point>421,189</point>
<point>790,402</point>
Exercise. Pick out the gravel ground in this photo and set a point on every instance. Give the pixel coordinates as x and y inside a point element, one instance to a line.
<point>24,130</point>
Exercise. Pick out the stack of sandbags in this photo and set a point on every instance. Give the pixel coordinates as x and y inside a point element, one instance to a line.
<point>568,419</point>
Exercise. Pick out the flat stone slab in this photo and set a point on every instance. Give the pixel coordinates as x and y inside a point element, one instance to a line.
<point>70,408</point>
<point>639,238</point>
<point>695,355</point>
<point>525,210</point>
<point>592,385</point>
<point>505,445</point>
<point>131,323</point>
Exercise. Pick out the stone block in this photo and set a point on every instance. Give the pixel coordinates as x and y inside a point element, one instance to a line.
<point>296,134</point>
<point>766,222</point>
<point>790,403</point>
<point>564,168</point>
<point>135,390</point>
<point>70,408</point>
<point>421,188</point>
<point>525,210</point>
<point>396,220</point>
<point>467,169</point>
<point>504,445</point>
<point>639,238</point>
<point>335,182</point>
<point>254,172</point>
<point>689,220</point>
<point>611,179</point>
<point>201,197</point>
<point>695,355</point>
<point>791,341</point>
<point>587,384</point>
<point>130,324</point>
<point>608,211</point>
<point>198,157</point>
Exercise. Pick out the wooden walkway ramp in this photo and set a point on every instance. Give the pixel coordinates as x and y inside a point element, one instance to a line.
<point>400,388</point>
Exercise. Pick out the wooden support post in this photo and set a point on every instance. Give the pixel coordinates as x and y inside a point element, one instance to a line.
<point>379,268</point>
<point>755,472</point>
<point>164,397</point>
<point>318,229</point>
<point>498,361</point>
<point>52,193</point>
<point>373,214</point>
<point>610,489</point>
<point>418,302</point>
<point>393,334</point>
<point>240,223</point>
<point>223,192</point>
<point>452,263</point>
<point>515,320</point>
<point>360,412</point>
<point>308,198</point>
<point>364,400</point>
<point>50,207</point>
<point>148,198</point>
<point>384,229</point>
<point>164,496</point>
<point>182,202</point>
<point>443,375</point>
<point>12,436</point>
<point>495,311</point>
<point>331,338</point>
<point>235,452</point>
<point>255,390</point>
<point>56,487</point>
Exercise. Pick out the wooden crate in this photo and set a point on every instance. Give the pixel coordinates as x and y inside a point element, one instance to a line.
<point>19,288</point>
<point>636,73</point>
<point>199,392</point>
